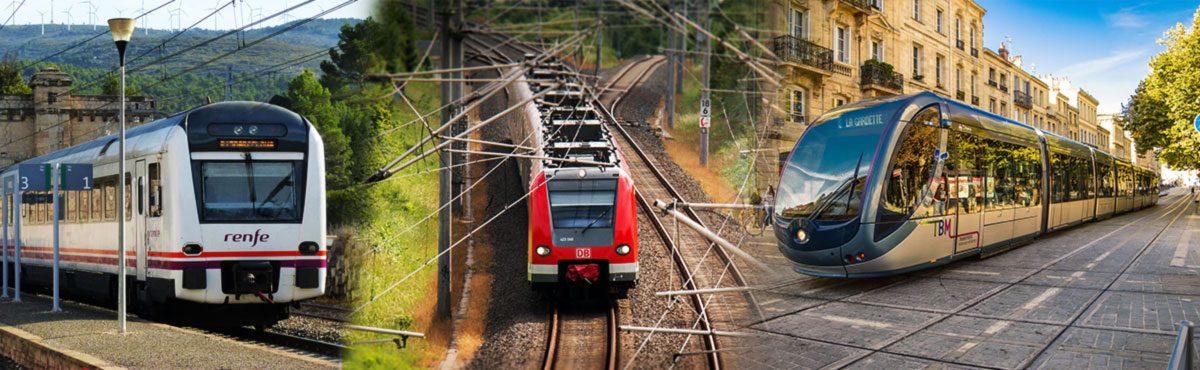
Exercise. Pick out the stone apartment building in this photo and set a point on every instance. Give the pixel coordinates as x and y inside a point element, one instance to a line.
<point>51,118</point>
<point>826,47</point>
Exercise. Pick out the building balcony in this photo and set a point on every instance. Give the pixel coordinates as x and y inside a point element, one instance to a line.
<point>975,52</point>
<point>1003,87</point>
<point>878,77</point>
<point>975,100</point>
<point>864,6</point>
<point>960,45</point>
<point>797,50</point>
<point>992,83</point>
<point>960,95</point>
<point>1022,99</point>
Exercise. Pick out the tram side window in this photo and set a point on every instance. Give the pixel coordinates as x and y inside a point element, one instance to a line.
<point>1001,174</point>
<point>1103,171</point>
<point>912,168</point>
<point>155,191</point>
<point>1087,178</point>
<point>1029,170</point>
<point>966,153</point>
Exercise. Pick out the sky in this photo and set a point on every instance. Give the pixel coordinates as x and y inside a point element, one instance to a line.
<point>1103,47</point>
<point>232,16</point>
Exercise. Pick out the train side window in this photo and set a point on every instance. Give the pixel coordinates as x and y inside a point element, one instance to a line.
<point>72,204</point>
<point>155,191</point>
<point>128,197</point>
<point>85,203</point>
<point>141,194</point>
<point>97,202</point>
<point>912,169</point>
<point>110,200</point>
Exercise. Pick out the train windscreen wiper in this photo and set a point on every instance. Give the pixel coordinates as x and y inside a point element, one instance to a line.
<point>589,225</point>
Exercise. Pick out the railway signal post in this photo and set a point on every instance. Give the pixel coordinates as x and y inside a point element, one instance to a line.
<point>4,190</point>
<point>705,102</point>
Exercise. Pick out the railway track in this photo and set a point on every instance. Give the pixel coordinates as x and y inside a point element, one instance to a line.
<point>690,250</point>
<point>626,79</point>
<point>573,339</point>
<point>330,350</point>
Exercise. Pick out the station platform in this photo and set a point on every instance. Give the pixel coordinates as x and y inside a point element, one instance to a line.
<point>87,337</point>
<point>1103,294</point>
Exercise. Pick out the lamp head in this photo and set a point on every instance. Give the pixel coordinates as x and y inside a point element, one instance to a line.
<point>122,31</point>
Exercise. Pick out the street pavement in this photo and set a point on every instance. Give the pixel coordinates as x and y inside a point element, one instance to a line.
<point>1103,294</point>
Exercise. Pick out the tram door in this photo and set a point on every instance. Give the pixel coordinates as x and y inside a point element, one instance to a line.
<point>139,217</point>
<point>967,190</point>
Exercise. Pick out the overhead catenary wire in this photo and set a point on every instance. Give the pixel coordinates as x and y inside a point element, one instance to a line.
<point>10,16</point>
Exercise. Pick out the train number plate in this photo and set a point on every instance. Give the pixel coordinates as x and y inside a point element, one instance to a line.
<point>583,253</point>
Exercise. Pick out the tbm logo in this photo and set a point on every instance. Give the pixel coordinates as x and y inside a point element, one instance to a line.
<point>246,238</point>
<point>942,227</point>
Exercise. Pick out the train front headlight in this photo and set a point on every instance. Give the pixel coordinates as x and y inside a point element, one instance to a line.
<point>542,250</point>
<point>624,249</point>
<point>309,248</point>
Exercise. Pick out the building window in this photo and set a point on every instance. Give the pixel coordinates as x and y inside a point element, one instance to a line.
<point>842,37</point>
<point>938,21</point>
<point>837,102</point>
<point>917,10</point>
<point>1004,108</point>
<point>798,106</point>
<point>992,105</point>
<point>991,76</point>
<point>877,49</point>
<point>877,4</point>
<point>972,37</point>
<point>973,86</point>
<point>797,22</point>
<point>916,62</point>
<point>939,66</point>
<point>957,29</point>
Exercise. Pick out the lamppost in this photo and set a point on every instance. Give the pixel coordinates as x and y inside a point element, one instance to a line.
<point>122,31</point>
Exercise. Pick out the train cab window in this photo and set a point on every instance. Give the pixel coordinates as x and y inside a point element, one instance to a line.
<point>912,168</point>
<point>155,191</point>
<point>578,204</point>
<point>249,191</point>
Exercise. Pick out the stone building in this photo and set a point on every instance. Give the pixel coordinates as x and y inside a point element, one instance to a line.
<point>829,50</point>
<point>51,118</point>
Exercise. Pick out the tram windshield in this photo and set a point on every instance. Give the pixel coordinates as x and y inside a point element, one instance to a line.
<point>824,178</point>
<point>249,191</point>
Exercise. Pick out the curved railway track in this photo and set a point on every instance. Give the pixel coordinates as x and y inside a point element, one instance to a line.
<point>574,335</point>
<point>627,79</point>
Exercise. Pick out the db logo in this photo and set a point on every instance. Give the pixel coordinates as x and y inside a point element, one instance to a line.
<point>583,253</point>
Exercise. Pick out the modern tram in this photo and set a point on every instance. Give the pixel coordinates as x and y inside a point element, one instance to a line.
<point>902,183</point>
<point>225,216</point>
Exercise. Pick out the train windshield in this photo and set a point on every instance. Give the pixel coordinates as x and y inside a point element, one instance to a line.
<point>827,171</point>
<point>582,204</point>
<point>249,191</point>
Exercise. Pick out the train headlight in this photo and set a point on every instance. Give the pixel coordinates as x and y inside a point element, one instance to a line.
<point>253,130</point>
<point>624,249</point>
<point>192,249</point>
<point>309,248</point>
<point>542,250</point>
<point>802,236</point>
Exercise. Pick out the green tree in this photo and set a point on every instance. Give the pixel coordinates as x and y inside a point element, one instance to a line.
<point>11,82</point>
<point>1159,115</point>
<point>353,58</point>
<point>112,86</point>
<point>311,100</point>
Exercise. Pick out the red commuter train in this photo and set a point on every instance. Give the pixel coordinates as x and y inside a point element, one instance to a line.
<point>582,211</point>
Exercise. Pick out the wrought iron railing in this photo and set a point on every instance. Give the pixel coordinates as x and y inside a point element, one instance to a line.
<point>961,45</point>
<point>873,74</point>
<point>864,5</point>
<point>975,52</point>
<point>975,100</point>
<point>794,49</point>
<point>1022,99</point>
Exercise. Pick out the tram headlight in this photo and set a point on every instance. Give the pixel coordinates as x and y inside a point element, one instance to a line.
<point>802,236</point>
<point>542,250</point>
<point>624,249</point>
<point>309,248</point>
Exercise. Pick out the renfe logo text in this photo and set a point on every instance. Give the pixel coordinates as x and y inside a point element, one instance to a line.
<point>246,238</point>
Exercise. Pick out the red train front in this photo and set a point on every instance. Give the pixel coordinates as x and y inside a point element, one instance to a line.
<point>583,228</point>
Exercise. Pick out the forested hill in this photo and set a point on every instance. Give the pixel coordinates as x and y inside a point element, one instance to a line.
<point>91,63</point>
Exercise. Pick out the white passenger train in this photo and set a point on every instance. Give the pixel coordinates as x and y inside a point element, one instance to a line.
<point>225,212</point>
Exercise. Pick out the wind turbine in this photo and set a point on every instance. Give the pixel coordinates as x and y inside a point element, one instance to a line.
<point>43,14</point>
<point>216,14</point>
<point>91,13</point>
<point>68,12</point>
